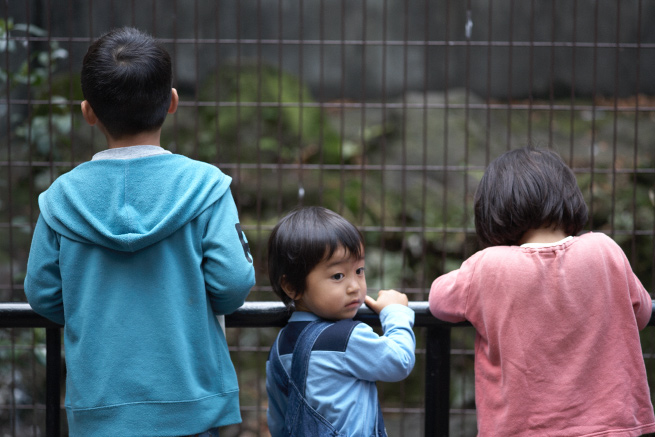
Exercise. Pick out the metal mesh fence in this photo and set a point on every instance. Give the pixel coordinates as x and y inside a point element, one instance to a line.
<point>384,111</point>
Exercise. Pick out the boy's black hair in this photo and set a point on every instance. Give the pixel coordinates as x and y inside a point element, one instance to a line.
<point>127,78</point>
<point>304,238</point>
<point>525,189</point>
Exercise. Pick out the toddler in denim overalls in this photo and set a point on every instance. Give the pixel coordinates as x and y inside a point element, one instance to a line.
<point>323,366</point>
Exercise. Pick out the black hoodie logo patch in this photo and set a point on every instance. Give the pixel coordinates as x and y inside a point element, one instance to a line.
<point>244,243</point>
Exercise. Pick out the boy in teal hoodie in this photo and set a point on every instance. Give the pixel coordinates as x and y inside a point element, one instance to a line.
<point>135,252</point>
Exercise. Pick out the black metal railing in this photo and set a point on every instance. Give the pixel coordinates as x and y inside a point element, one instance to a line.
<point>261,315</point>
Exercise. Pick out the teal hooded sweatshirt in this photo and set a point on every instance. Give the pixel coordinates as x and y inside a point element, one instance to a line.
<point>136,257</point>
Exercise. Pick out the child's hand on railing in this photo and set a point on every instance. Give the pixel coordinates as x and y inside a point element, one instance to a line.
<point>386,298</point>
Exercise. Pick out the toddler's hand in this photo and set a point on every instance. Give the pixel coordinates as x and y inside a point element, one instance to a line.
<point>386,298</point>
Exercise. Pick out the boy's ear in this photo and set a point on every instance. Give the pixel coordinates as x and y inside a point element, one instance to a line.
<point>88,114</point>
<point>288,290</point>
<point>174,101</point>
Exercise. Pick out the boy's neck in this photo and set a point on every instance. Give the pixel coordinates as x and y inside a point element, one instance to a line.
<point>142,139</point>
<point>543,236</point>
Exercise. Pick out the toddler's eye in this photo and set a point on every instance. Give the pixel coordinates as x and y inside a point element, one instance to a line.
<point>360,271</point>
<point>338,276</point>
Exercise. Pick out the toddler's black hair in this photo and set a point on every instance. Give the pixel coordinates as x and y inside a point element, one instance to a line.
<point>127,78</point>
<point>523,189</point>
<point>304,238</point>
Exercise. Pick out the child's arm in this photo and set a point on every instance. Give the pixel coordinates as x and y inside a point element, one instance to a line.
<point>641,301</point>
<point>642,304</point>
<point>389,357</point>
<point>449,292</point>
<point>228,268</point>
<point>43,278</point>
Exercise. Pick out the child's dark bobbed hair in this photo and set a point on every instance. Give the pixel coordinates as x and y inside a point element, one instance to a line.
<point>301,240</point>
<point>526,189</point>
<point>127,78</point>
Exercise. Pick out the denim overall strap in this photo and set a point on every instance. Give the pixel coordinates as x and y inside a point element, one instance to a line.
<point>279,373</point>
<point>302,352</point>
<point>301,418</point>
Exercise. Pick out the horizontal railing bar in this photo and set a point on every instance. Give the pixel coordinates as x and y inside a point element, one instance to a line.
<point>360,42</point>
<point>21,315</point>
<point>348,167</point>
<point>263,314</point>
<point>524,105</point>
<point>251,315</point>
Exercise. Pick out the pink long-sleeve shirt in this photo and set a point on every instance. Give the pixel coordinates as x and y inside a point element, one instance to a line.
<point>557,350</point>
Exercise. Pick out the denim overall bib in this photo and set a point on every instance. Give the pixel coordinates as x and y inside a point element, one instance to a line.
<point>301,419</point>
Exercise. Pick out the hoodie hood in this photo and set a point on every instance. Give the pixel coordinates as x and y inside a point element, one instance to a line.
<point>130,204</point>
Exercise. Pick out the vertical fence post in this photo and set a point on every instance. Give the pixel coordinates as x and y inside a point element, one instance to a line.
<point>437,381</point>
<point>53,387</point>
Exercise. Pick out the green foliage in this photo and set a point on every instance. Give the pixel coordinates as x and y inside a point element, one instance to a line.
<point>37,65</point>
<point>40,132</point>
<point>267,112</point>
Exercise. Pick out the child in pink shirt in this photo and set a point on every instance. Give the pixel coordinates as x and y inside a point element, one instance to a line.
<point>557,350</point>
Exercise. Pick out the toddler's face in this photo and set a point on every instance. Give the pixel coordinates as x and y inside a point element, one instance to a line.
<point>335,288</point>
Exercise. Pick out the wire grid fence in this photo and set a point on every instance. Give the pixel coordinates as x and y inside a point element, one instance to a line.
<point>384,111</point>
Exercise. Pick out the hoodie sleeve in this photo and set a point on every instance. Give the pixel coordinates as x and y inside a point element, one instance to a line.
<point>227,263</point>
<point>43,279</point>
